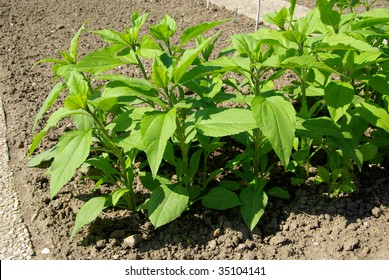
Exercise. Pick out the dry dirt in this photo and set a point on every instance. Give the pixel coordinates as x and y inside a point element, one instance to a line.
<point>306,227</point>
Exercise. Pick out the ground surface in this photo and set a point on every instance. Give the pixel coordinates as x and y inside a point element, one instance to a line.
<point>306,227</point>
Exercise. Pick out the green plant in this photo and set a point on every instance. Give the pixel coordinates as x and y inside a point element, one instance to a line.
<point>165,123</point>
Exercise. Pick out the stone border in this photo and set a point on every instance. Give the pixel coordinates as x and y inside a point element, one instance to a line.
<point>15,241</point>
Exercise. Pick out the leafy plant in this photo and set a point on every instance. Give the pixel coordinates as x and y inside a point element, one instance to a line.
<point>172,106</point>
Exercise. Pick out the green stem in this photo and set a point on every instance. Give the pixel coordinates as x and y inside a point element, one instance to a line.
<point>257,133</point>
<point>304,112</point>
<point>142,68</point>
<point>118,153</point>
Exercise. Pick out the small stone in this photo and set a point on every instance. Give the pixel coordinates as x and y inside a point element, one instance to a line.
<point>376,212</point>
<point>277,240</point>
<point>133,241</point>
<point>217,232</point>
<point>365,251</point>
<point>101,243</point>
<point>212,244</point>
<point>241,248</point>
<point>352,227</point>
<point>45,251</point>
<point>351,244</point>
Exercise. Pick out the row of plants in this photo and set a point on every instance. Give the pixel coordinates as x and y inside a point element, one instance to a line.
<point>165,125</point>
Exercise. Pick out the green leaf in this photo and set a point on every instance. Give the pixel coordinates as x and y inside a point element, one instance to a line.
<point>100,60</point>
<point>220,198</point>
<point>83,122</point>
<point>160,74</point>
<point>246,45</point>
<point>341,138</point>
<point>71,151</point>
<point>165,29</point>
<point>327,14</point>
<point>374,114</point>
<point>324,174</point>
<point>369,151</point>
<point>306,61</point>
<point>151,184</point>
<point>308,24</point>
<point>88,213</point>
<point>193,31</point>
<point>52,121</point>
<point>276,118</point>
<point>187,59</point>
<point>49,101</point>
<point>380,84</point>
<point>75,102</point>
<point>149,48</point>
<point>103,163</point>
<point>110,36</point>
<point>42,157</point>
<point>338,96</point>
<point>194,162</point>
<point>253,206</point>
<point>74,43</point>
<point>278,192</point>
<point>77,84</point>
<point>116,195</point>
<point>156,129</point>
<point>227,122</point>
<point>345,42</point>
<point>278,18</point>
<point>167,203</point>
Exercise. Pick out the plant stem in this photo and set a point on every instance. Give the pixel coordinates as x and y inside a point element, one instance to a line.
<point>118,153</point>
<point>142,68</point>
<point>304,112</point>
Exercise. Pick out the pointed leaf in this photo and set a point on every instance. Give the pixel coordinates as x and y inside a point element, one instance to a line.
<point>156,129</point>
<point>100,60</point>
<point>278,192</point>
<point>52,121</point>
<point>253,206</point>
<point>374,114</point>
<point>167,203</point>
<point>49,101</point>
<point>276,119</point>
<point>338,96</point>
<point>220,198</point>
<point>88,213</point>
<point>193,31</point>
<point>72,150</point>
<point>42,157</point>
<point>187,59</point>
<point>227,122</point>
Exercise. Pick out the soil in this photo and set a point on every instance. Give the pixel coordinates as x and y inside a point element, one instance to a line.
<point>308,226</point>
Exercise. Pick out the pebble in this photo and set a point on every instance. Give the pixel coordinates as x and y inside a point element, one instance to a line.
<point>351,244</point>
<point>277,240</point>
<point>212,244</point>
<point>217,232</point>
<point>376,212</point>
<point>241,248</point>
<point>45,251</point>
<point>133,241</point>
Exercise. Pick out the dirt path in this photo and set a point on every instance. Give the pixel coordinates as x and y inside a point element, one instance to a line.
<point>306,227</point>
<point>249,7</point>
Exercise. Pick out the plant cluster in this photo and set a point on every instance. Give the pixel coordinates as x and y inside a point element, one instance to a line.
<point>165,125</point>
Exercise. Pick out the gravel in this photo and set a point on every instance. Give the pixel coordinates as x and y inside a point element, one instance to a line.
<point>15,241</point>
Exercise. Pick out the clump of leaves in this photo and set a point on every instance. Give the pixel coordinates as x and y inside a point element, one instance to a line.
<point>174,114</point>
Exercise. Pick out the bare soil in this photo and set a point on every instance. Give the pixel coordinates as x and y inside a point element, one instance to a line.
<point>308,226</point>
